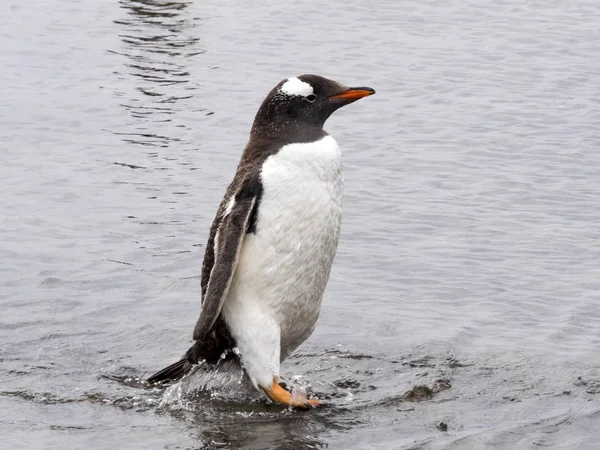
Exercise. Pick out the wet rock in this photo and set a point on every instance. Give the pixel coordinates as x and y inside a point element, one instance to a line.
<point>418,394</point>
<point>422,392</point>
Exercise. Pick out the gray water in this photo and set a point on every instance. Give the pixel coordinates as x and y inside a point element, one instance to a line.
<point>466,286</point>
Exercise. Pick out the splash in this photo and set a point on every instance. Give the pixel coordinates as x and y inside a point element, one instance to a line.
<point>224,381</point>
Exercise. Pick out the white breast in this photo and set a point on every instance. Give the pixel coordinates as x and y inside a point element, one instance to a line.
<point>284,267</point>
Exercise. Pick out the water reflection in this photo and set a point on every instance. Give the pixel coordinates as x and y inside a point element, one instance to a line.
<point>158,38</point>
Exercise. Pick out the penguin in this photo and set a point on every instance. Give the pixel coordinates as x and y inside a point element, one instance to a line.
<point>274,238</point>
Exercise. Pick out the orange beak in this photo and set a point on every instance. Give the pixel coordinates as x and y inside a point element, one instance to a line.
<point>355,93</point>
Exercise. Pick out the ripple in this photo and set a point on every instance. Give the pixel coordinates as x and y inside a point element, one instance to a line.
<point>469,248</point>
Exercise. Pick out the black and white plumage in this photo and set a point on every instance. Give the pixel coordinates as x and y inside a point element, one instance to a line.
<point>272,243</point>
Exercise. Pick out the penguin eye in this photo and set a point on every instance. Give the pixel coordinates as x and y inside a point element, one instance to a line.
<point>311,98</point>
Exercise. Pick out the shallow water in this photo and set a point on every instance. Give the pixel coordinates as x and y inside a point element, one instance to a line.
<point>466,287</point>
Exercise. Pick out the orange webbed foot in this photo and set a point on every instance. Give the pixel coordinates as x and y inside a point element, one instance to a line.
<point>279,395</point>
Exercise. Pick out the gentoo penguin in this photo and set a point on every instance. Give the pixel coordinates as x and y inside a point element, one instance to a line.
<point>273,240</point>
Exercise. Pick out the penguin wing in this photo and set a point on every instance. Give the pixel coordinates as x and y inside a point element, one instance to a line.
<point>232,224</point>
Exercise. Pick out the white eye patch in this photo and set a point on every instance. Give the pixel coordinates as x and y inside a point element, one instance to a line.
<point>295,86</point>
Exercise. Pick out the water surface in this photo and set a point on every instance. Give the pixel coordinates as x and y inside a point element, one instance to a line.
<point>466,287</point>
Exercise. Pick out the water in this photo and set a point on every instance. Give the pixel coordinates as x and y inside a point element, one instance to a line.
<point>466,287</point>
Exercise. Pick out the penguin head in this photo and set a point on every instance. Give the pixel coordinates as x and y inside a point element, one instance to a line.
<point>305,100</point>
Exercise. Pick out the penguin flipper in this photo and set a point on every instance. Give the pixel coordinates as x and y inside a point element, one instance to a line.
<point>227,245</point>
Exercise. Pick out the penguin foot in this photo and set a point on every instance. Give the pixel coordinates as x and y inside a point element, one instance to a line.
<point>280,395</point>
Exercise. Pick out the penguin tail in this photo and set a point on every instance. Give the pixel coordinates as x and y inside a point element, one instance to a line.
<point>173,372</point>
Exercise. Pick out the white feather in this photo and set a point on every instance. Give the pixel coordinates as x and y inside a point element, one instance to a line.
<point>275,297</point>
<point>295,86</point>
<point>230,206</point>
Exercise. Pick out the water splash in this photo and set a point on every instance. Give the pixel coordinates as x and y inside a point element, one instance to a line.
<point>221,382</point>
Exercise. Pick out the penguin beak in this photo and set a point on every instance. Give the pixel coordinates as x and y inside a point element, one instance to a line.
<point>354,93</point>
